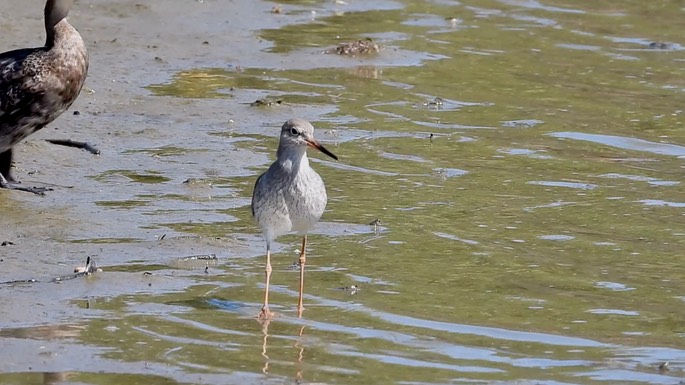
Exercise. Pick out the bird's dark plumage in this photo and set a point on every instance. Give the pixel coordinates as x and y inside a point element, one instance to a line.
<point>255,187</point>
<point>38,84</point>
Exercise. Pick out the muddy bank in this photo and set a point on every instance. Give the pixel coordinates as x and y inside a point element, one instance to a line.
<point>89,213</point>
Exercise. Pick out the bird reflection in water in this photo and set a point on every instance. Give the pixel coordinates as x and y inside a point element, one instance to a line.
<point>299,346</point>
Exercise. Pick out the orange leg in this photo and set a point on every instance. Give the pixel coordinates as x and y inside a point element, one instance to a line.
<point>303,259</point>
<point>265,314</point>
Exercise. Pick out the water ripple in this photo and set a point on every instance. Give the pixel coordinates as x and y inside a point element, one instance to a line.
<point>625,143</point>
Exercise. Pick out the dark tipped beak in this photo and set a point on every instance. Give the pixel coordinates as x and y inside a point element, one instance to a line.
<point>313,143</point>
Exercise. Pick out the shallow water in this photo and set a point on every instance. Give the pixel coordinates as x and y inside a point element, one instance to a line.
<point>531,218</point>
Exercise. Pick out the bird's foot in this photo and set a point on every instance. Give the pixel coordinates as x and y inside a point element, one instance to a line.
<point>266,314</point>
<point>15,186</point>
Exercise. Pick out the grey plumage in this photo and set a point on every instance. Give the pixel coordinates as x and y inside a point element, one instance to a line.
<point>290,195</point>
<point>38,84</point>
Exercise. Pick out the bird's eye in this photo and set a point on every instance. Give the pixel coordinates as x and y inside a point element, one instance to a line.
<point>293,131</point>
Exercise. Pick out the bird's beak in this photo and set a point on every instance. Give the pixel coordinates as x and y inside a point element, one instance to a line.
<point>314,144</point>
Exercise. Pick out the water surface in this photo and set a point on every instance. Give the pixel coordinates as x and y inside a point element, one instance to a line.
<point>531,222</point>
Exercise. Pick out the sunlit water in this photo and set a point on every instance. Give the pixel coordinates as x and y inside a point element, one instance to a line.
<point>531,221</point>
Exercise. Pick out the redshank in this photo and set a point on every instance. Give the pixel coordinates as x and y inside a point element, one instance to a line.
<point>289,196</point>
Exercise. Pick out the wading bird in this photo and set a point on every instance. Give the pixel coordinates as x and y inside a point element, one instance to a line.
<point>38,84</point>
<point>289,196</point>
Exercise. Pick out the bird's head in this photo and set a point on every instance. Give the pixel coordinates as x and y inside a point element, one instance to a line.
<point>299,134</point>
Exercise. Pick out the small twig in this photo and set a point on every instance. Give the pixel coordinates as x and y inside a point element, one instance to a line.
<point>18,281</point>
<point>72,143</point>
<point>90,268</point>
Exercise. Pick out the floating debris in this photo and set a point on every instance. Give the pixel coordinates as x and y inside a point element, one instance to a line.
<point>376,223</point>
<point>18,281</point>
<point>6,243</point>
<point>202,257</point>
<point>521,123</point>
<point>90,268</point>
<point>192,181</point>
<point>192,262</point>
<point>355,48</point>
<point>80,271</point>
<point>436,103</point>
<point>454,22</point>
<point>352,289</point>
<point>659,45</point>
<point>266,102</point>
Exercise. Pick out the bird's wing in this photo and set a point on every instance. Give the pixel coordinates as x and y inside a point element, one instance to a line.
<point>255,193</point>
<point>12,81</point>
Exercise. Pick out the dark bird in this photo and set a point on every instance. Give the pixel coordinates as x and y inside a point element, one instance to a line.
<point>38,84</point>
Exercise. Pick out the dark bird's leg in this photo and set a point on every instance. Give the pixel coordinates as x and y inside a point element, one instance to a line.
<point>5,165</point>
<point>303,259</point>
<point>266,314</point>
<point>8,182</point>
